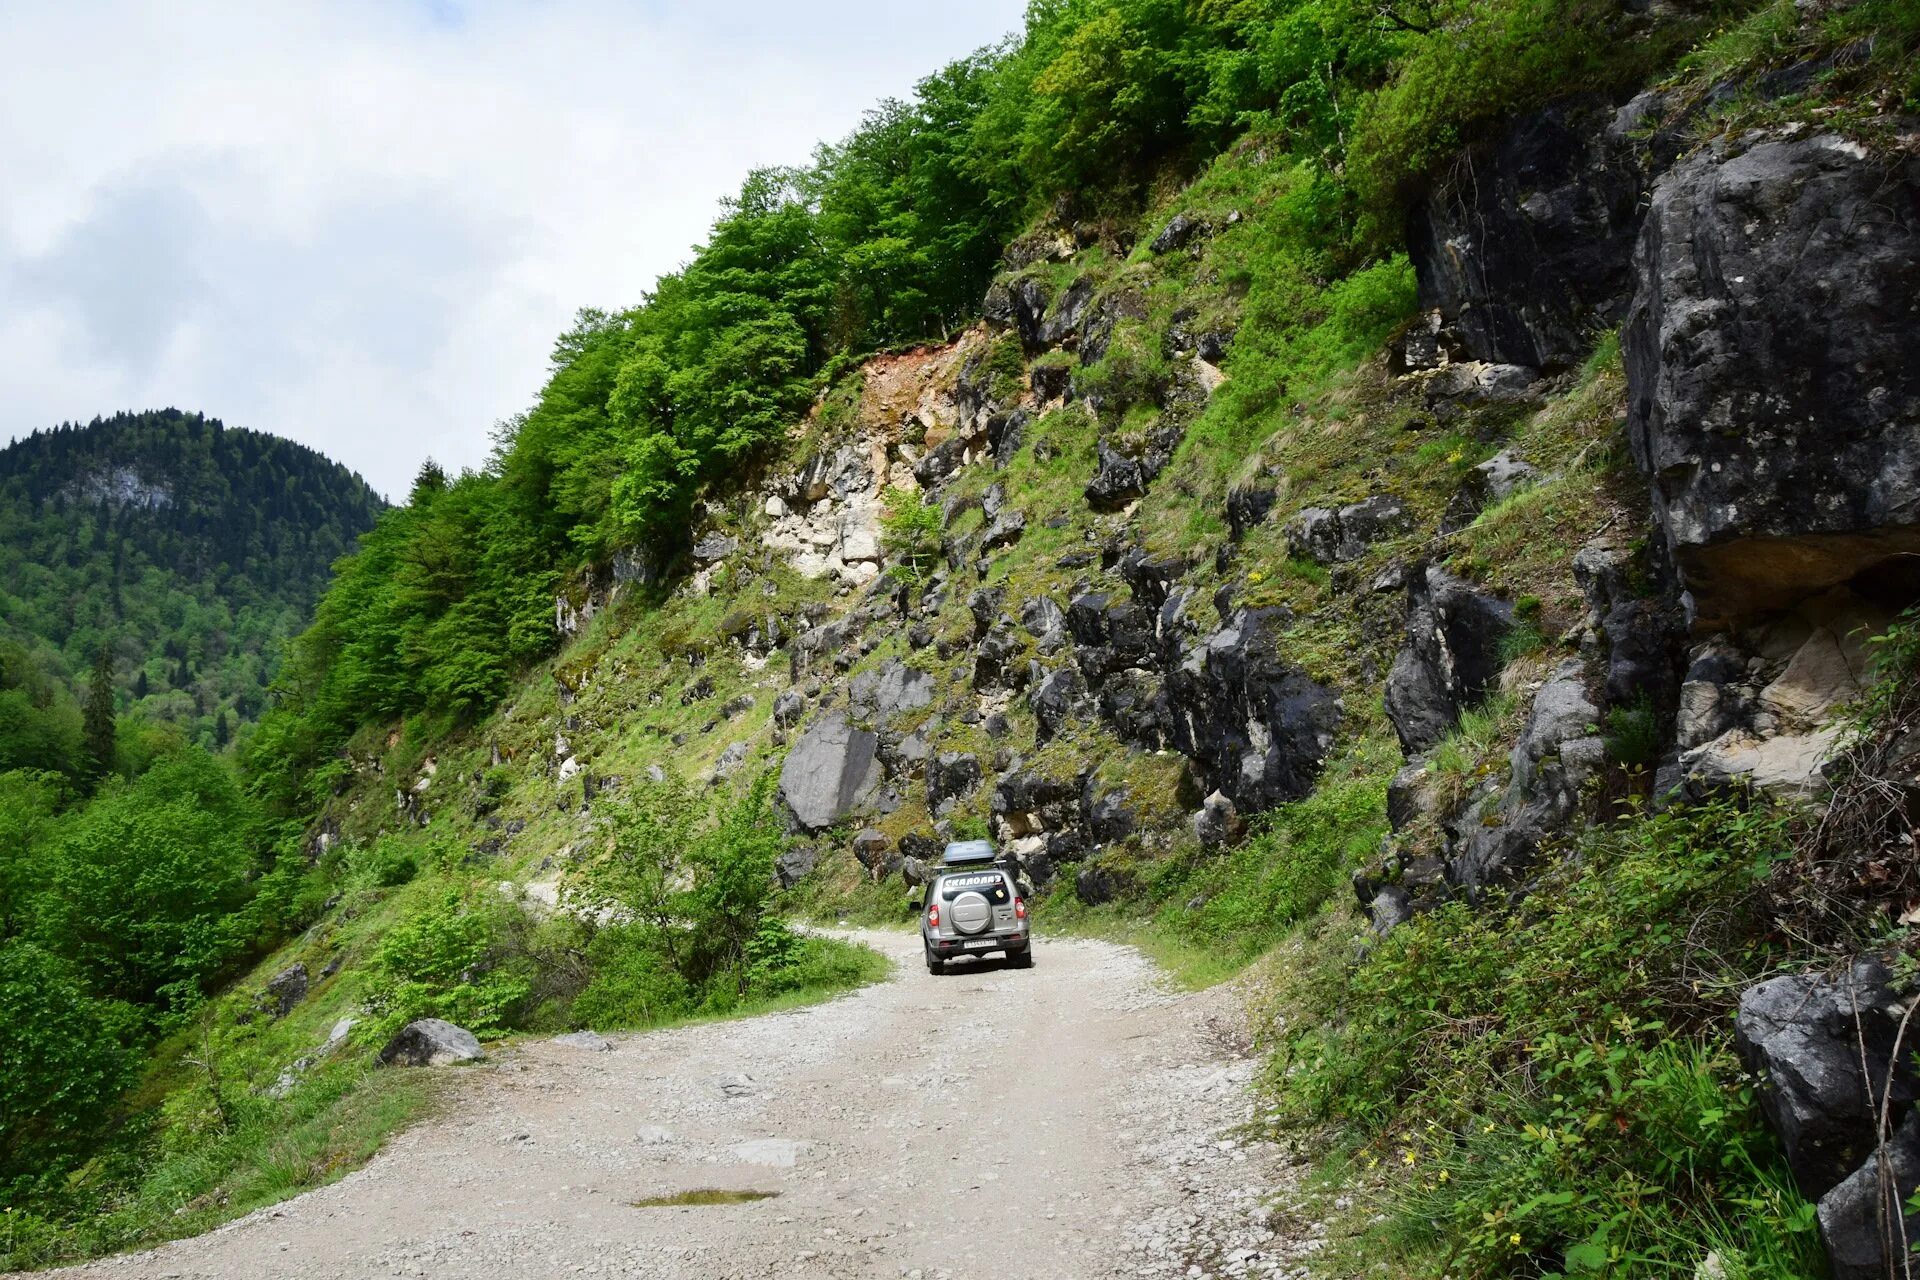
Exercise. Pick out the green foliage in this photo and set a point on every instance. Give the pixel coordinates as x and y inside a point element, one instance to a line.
<point>635,982</point>
<point>448,960</point>
<point>191,551</point>
<point>1633,733</point>
<point>30,803</point>
<point>910,536</point>
<point>146,885</point>
<point>1473,63</point>
<point>40,725</point>
<point>1297,858</point>
<point>63,1061</point>
<point>1552,1084</point>
<point>97,720</point>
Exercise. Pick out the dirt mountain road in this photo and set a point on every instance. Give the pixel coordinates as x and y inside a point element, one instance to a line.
<point>1073,1120</point>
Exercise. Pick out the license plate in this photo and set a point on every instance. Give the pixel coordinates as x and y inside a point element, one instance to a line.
<point>981,946</point>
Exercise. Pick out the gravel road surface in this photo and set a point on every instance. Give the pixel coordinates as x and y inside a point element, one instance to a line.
<point>1073,1120</point>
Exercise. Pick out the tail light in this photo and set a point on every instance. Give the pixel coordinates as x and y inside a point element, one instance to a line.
<point>1020,908</point>
<point>933,916</point>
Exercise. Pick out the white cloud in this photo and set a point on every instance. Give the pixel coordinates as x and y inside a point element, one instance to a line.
<point>362,224</point>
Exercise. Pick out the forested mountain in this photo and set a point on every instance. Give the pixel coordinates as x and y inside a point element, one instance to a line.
<point>188,550</point>
<point>1423,492</point>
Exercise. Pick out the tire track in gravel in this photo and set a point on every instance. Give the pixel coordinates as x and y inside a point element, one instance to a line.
<point>1073,1120</point>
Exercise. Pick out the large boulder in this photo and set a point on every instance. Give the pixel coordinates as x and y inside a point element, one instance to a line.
<point>886,691</point>
<point>1773,398</point>
<point>795,865</point>
<point>1028,307</point>
<point>430,1042</point>
<point>1256,728</point>
<point>1027,802</point>
<point>1058,698</point>
<point>1062,320</point>
<point>1524,246</point>
<point>1556,756</point>
<point>1334,537</point>
<point>1118,481</point>
<point>287,988</point>
<point>831,770</point>
<point>1451,660</point>
<point>950,776</point>
<point>1490,483</point>
<point>1864,1221</point>
<point>1826,1050</point>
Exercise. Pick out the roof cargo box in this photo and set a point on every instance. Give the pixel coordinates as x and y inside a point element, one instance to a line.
<point>966,853</point>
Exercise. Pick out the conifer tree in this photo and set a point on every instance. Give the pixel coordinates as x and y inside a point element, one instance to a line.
<point>99,714</point>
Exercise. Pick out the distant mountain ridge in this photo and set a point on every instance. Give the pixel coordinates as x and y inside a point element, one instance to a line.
<point>191,548</point>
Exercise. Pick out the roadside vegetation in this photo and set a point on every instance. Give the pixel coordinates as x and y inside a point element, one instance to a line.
<point>1543,1088</point>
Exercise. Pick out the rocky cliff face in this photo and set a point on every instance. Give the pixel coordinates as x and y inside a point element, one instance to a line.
<point>1545,571</point>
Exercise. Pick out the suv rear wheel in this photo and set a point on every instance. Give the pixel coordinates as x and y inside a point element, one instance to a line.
<point>1021,959</point>
<point>935,965</point>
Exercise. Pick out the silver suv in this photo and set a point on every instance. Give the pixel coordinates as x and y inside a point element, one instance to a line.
<point>974,907</point>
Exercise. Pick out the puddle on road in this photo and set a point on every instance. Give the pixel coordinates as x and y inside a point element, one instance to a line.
<point>703,1195</point>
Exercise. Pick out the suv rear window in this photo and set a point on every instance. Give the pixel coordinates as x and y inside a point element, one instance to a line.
<point>992,885</point>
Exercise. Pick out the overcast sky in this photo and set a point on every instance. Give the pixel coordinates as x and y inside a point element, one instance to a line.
<point>361,223</point>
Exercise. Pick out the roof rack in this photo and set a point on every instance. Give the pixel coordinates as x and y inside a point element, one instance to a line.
<point>962,853</point>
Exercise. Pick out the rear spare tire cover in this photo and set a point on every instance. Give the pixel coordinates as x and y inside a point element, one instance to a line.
<point>971,912</point>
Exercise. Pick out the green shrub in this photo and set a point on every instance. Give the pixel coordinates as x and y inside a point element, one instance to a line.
<point>910,535</point>
<point>447,960</point>
<point>1296,859</point>
<point>1633,733</point>
<point>148,885</point>
<point>387,863</point>
<point>63,1062</point>
<point>1551,1084</point>
<point>634,984</point>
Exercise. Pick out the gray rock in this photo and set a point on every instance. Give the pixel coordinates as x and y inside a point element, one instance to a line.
<point>1217,824</point>
<point>1256,728</point>
<point>831,771</point>
<point>1772,390</point>
<point>1475,383</point>
<point>951,776</point>
<point>287,988</point>
<point>1863,1219</point>
<point>1104,316</point>
<point>715,546</point>
<point>1490,483</point>
<point>789,707</point>
<point>585,1040</point>
<point>1059,698</point>
<point>730,760</point>
<point>1095,886</point>
<point>1118,481</point>
<point>1389,909</point>
<point>795,865</point>
<point>1041,616</point>
<point>1553,760</point>
<point>889,690</point>
<point>1451,659</point>
<point>1028,299</point>
<point>1004,531</point>
<point>1523,246</point>
<point>1026,802</point>
<point>1805,1036</point>
<point>995,660</point>
<point>1107,816</point>
<point>1249,505</point>
<point>1182,230</point>
<point>430,1042</point>
<point>1334,537</point>
<point>871,846</point>
<point>1063,318</point>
